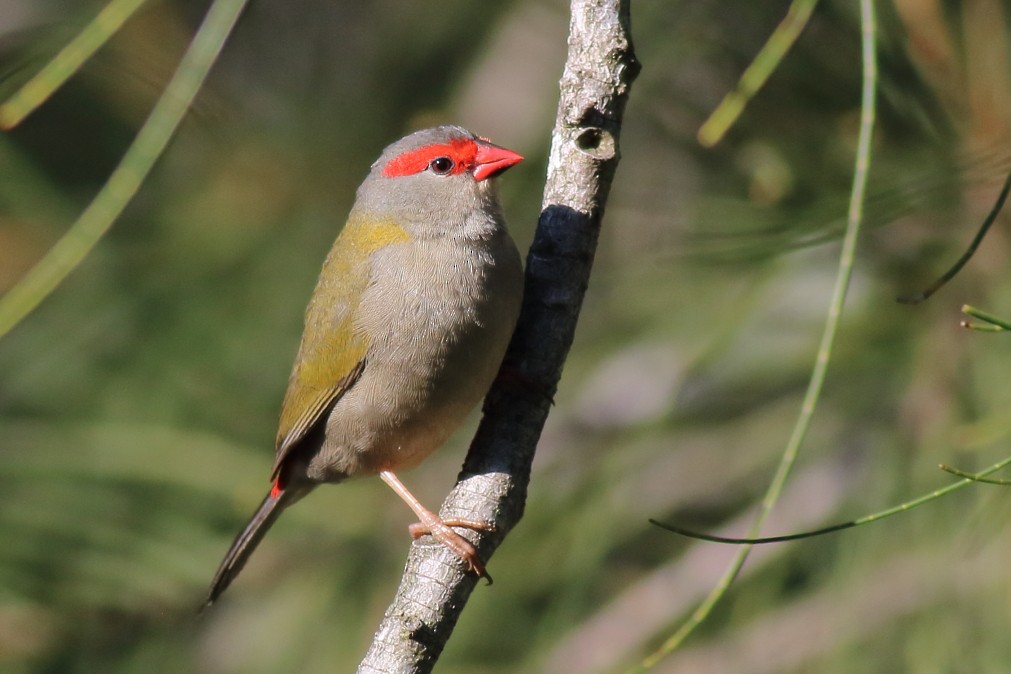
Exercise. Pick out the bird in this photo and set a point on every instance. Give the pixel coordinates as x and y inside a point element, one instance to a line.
<point>404,333</point>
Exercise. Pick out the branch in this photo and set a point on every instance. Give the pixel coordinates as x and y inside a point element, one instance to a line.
<point>493,484</point>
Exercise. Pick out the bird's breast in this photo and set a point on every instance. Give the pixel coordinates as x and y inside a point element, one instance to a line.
<point>438,315</point>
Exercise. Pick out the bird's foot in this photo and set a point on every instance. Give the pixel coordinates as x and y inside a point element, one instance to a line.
<point>441,531</point>
<point>419,529</point>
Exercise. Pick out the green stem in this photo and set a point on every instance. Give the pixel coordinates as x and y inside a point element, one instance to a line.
<point>126,179</point>
<point>980,476</point>
<point>68,61</point>
<point>771,54</point>
<point>997,324</point>
<point>854,217</point>
<point>968,478</point>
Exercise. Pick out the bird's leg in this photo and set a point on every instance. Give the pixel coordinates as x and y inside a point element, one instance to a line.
<point>430,523</point>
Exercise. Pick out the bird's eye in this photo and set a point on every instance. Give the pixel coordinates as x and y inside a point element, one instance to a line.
<point>441,165</point>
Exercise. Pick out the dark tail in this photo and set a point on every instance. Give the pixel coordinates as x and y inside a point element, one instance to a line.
<point>247,540</point>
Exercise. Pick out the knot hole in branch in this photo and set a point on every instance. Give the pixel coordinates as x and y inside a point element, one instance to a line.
<point>596,142</point>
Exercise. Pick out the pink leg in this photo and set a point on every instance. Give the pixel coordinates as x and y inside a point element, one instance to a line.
<point>430,523</point>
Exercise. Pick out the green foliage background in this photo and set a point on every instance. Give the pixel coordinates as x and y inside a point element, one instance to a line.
<point>138,404</point>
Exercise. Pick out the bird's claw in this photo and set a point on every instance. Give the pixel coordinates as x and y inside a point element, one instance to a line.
<point>440,530</point>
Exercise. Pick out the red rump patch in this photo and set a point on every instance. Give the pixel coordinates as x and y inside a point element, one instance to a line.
<point>462,151</point>
<point>276,489</point>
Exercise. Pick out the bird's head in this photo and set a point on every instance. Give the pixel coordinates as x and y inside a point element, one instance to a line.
<point>437,182</point>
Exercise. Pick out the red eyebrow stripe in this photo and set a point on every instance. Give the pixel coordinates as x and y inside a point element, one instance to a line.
<point>461,151</point>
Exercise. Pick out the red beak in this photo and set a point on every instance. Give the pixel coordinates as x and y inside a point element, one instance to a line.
<point>492,160</point>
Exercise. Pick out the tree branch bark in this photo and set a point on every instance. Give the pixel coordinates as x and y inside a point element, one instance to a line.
<point>492,487</point>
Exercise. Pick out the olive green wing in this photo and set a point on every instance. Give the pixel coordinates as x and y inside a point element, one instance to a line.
<point>333,352</point>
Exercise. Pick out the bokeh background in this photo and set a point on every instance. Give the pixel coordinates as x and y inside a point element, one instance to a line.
<point>138,404</point>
